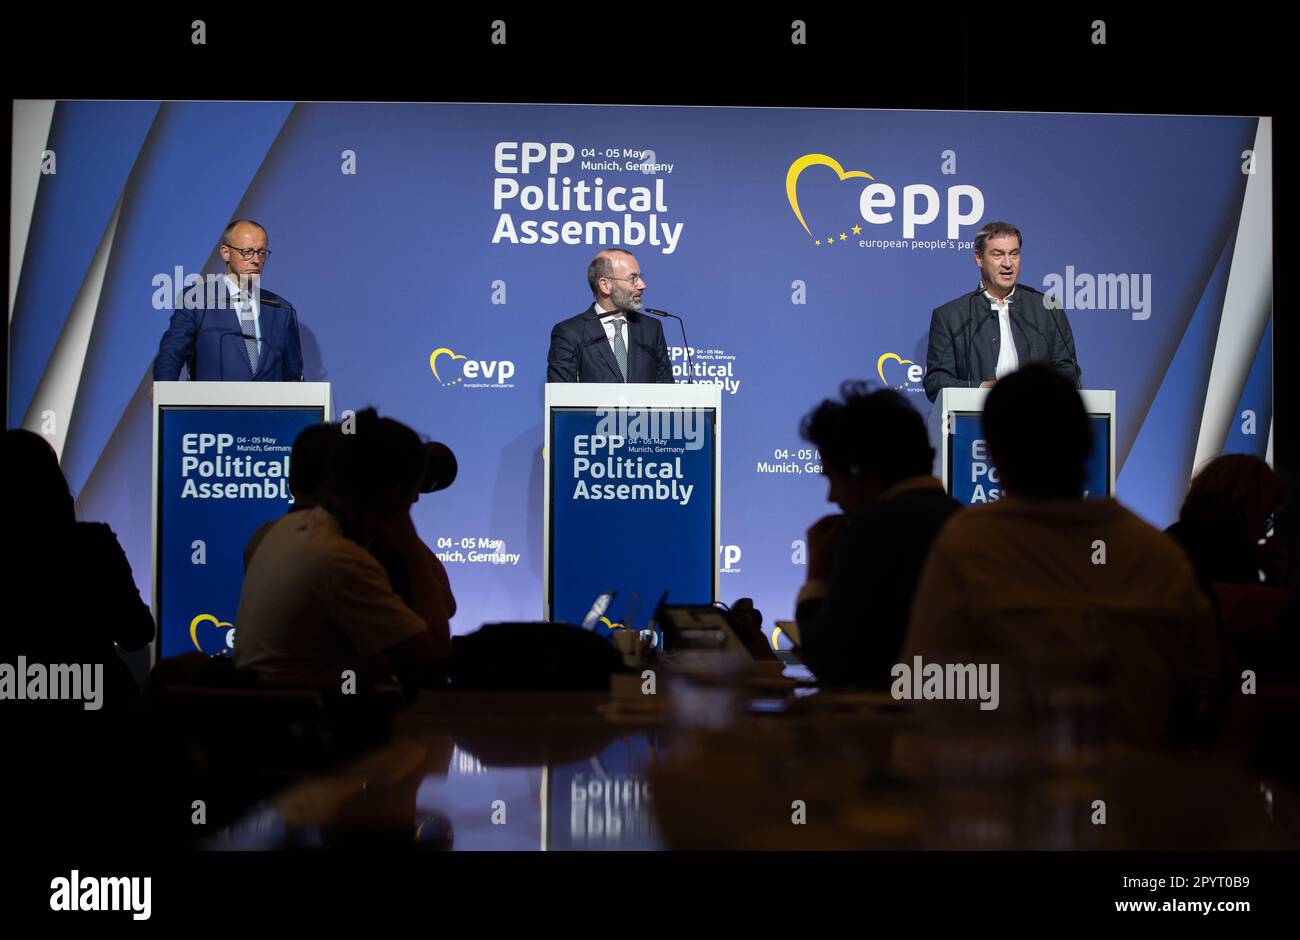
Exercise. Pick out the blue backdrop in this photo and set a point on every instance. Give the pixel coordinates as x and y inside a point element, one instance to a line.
<point>802,246</point>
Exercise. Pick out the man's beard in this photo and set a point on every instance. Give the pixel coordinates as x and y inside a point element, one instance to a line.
<point>625,303</point>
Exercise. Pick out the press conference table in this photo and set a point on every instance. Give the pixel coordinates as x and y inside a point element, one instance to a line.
<point>764,765</point>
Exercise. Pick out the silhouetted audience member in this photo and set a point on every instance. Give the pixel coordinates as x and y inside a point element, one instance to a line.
<point>1045,575</point>
<point>316,602</point>
<point>69,771</point>
<point>309,461</point>
<point>1225,516</point>
<point>863,564</point>
<point>71,578</point>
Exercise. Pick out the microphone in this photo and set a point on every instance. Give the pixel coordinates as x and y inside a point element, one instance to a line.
<point>970,328</point>
<point>226,334</point>
<point>1051,305</point>
<point>296,331</point>
<point>690,371</point>
<point>192,362</point>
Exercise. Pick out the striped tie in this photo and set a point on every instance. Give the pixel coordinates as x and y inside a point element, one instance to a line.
<point>620,350</point>
<point>249,327</point>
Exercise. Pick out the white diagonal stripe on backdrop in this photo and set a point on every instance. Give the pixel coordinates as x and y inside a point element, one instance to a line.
<point>32,120</point>
<point>57,392</point>
<point>1247,303</point>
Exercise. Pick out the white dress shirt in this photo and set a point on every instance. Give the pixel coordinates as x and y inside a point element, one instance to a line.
<point>1008,359</point>
<point>608,324</point>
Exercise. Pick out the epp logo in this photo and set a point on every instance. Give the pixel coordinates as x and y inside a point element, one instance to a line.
<point>475,370</point>
<point>921,204</point>
<point>730,557</point>
<point>211,639</point>
<point>914,373</point>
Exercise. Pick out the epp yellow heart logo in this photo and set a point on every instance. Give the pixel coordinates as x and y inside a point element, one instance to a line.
<point>194,629</point>
<point>433,360</point>
<point>814,159</point>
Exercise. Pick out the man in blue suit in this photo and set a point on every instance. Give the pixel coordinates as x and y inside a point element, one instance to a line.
<point>249,335</point>
<point>610,341</point>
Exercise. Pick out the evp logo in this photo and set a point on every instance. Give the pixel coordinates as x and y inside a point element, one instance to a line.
<point>897,372</point>
<point>451,368</point>
<point>730,557</point>
<point>212,636</point>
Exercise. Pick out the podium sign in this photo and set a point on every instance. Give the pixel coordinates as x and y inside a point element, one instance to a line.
<point>221,469</point>
<point>632,497</point>
<point>962,459</point>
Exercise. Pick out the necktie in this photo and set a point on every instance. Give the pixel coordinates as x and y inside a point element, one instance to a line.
<point>249,327</point>
<point>620,350</point>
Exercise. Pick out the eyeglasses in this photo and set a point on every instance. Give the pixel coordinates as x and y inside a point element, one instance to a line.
<point>247,253</point>
<point>634,279</point>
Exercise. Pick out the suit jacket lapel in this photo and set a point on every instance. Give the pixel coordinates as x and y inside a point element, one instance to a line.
<point>601,349</point>
<point>1016,313</point>
<point>229,320</point>
<point>984,338</point>
<point>234,339</point>
<point>269,359</point>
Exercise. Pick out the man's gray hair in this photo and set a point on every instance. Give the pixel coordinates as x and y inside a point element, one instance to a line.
<point>601,266</point>
<point>993,230</point>
<point>225,232</point>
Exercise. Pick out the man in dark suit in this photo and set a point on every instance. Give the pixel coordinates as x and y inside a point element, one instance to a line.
<point>979,337</point>
<point>247,335</point>
<point>863,565</point>
<point>610,341</point>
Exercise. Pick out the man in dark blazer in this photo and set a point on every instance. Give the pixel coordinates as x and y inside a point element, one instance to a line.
<point>247,335</point>
<point>979,337</point>
<point>610,341</point>
<point>864,564</point>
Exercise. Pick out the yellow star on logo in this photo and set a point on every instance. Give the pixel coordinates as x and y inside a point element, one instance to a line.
<point>830,238</point>
<point>856,230</point>
<point>843,236</point>
<point>818,242</point>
